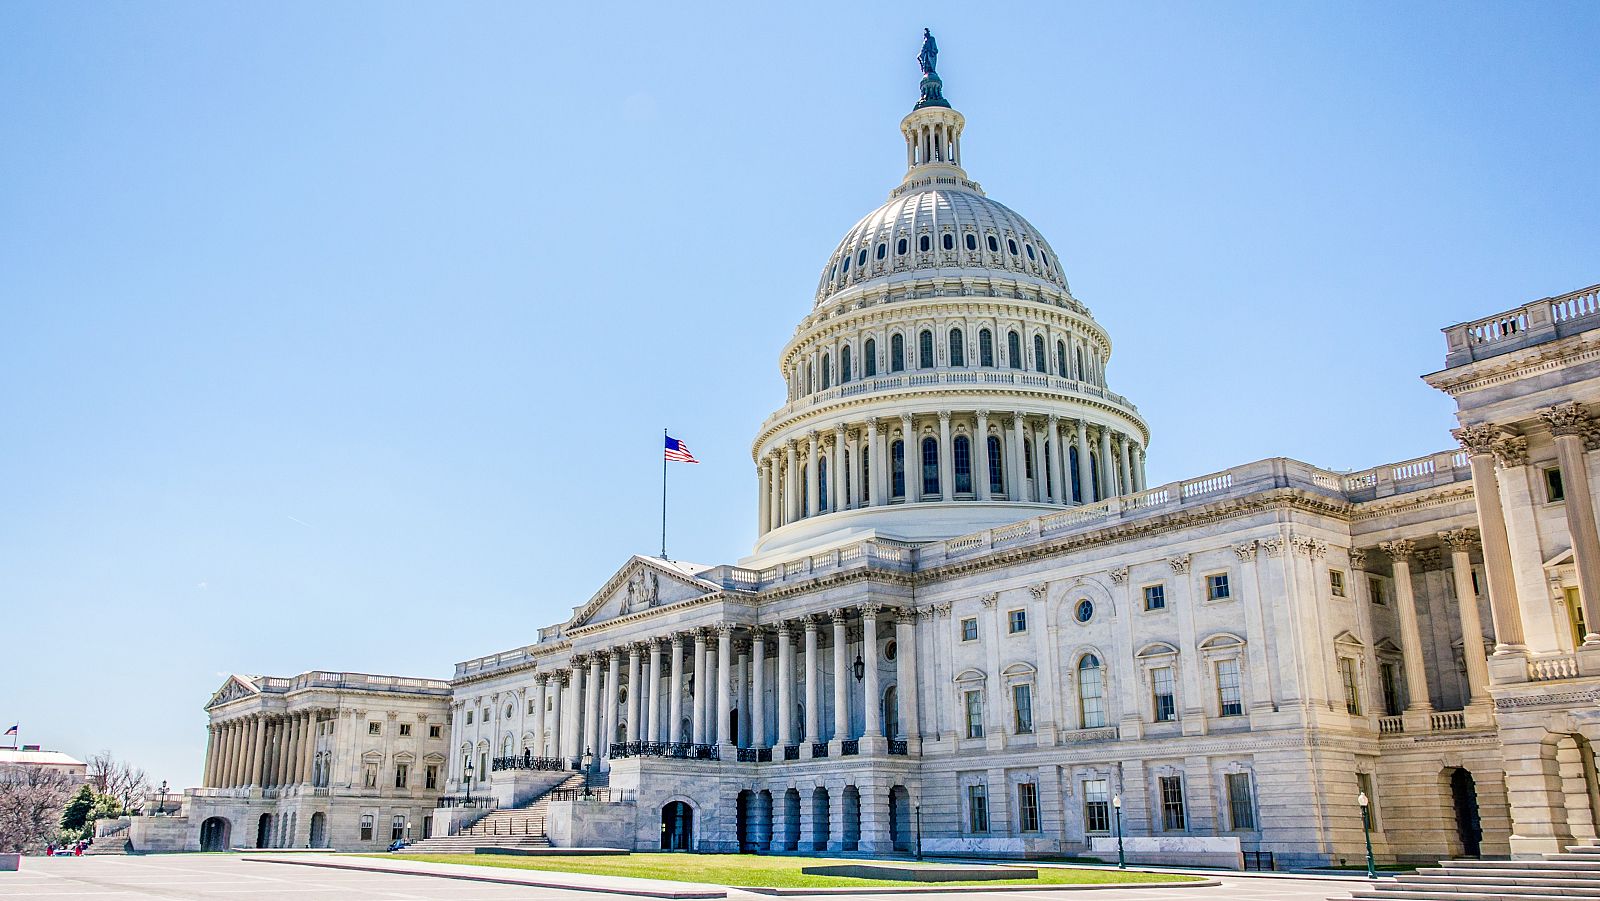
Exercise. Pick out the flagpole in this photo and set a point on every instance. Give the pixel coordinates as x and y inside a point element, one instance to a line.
<point>663,494</point>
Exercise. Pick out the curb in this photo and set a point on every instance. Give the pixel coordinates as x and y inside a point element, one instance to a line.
<point>938,889</point>
<point>501,880</point>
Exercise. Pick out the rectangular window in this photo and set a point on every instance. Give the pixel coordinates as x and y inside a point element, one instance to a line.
<point>974,704</point>
<point>402,775</point>
<point>1217,587</point>
<point>1375,588</point>
<point>366,827</point>
<point>1391,689</point>
<point>1352,686</point>
<point>1172,818</point>
<point>436,731</point>
<point>1155,597</point>
<point>405,729</point>
<point>1240,811</point>
<point>1230,698</point>
<point>1017,620</point>
<point>469,717</point>
<point>1365,787</point>
<point>1575,616</point>
<point>374,728</point>
<point>1336,582</point>
<point>397,827</point>
<point>969,629</point>
<point>430,777</point>
<point>1022,704</point>
<point>1028,806</point>
<point>1164,705</point>
<point>531,705</point>
<point>1096,806</point>
<point>977,809</point>
<point>1554,491</point>
<point>1091,696</point>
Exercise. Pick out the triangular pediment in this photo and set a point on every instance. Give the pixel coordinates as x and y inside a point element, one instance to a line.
<point>643,583</point>
<point>232,690</point>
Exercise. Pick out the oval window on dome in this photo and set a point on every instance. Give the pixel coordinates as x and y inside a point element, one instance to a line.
<point>846,265</point>
<point>923,244</point>
<point>972,242</point>
<point>949,242</point>
<point>861,258</point>
<point>900,247</point>
<point>1029,249</point>
<point>1011,245</point>
<point>832,271</point>
<point>882,249</point>
<point>994,246</point>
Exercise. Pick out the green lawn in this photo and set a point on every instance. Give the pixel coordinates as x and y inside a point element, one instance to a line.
<point>754,871</point>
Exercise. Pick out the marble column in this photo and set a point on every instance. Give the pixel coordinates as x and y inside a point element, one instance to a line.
<point>857,488</point>
<point>725,683</point>
<point>741,698</point>
<point>1081,442</point>
<point>574,712</point>
<point>591,706</point>
<point>1019,468</point>
<point>258,754</point>
<point>652,731</point>
<point>905,675</point>
<point>1107,488</point>
<point>911,458</point>
<point>841,676</point>
<point>813,725</point>
<point>791,485</point>
<point>211,750</point>
<point>980,453</point>
<point>947,469</point>
<point>871,697</point>
<point>1058,462</point>
<point>1460,542</point>
<point>635,690</point>
<point>541,691</point>
<point>836,500</point>
<point>308,754</point>
<point>702,690</point>
<point>558,681</point>
<point>764,517</point>
<point>1127,467</point>
<point>814,448</point>
<point>758,688</point>
<point>1401,551</point>
<point>785,703</point>
<point>292,765</point>
<point>675,693</point>
<point>239,752</point>
<point>875,470</point>
<point>1569,424</point>
<point>1479,441</point>
<point>608,723</point>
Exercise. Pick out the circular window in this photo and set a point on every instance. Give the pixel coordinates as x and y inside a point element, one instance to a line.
<point>508,711</point>
<point>949,242</point>
<point>972,242</point>
<point>1084,611</point>
<point>994,246</point>
<point>889,650</point>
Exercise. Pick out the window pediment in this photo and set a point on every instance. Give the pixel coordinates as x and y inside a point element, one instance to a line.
<point>969,676</point>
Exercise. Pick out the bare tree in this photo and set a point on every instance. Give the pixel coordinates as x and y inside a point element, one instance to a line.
<point>31,801</point>
<point>118,779</point>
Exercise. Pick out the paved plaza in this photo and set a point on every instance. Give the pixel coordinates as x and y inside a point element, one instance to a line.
<point>195,877</point>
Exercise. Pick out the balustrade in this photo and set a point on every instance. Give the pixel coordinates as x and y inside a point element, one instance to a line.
<point>1552,666</point>
<point>528,763</point>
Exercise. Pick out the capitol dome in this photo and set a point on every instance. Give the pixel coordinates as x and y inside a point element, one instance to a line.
<point>946,380</point>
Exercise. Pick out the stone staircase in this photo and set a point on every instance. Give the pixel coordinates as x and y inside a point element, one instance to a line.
<point>1569,876</point>
<point>512,827</point>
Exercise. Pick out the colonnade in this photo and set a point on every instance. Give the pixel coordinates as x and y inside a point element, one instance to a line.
<point>872,463</point>
<point>262,750</point>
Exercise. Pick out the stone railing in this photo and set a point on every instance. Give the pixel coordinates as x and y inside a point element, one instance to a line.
<point>1442,468</point>
<point>1390,725</point>
<point>1550,667</point>
<point>1531,323</point>
<point>1448,720</point>
<point>494,662</point>
<point>359,682</point>
<point>1093,733</point>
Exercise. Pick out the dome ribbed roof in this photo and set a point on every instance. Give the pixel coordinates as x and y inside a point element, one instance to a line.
<point>939,228</point>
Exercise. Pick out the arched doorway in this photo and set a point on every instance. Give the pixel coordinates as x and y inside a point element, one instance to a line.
<point>764,821</point>
<point>733,727</point>
<point>791,820</point>
<point>319,830</point>
<point>819,819</point>
<point>677,827</point>
<point>1464,794</point>
<point>891,712</point>
<point>214,834</point>
<point>851,811</point>
<point>263,830</point>
<point>745,821</point>
<point>900,818</point>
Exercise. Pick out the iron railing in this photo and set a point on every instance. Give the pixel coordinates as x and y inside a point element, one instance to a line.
<point>745,755</point>
<point>791,752</point>
<point>483,803</point>
<point>674,750</point>
<point>527,762</point>
<point>899,747</point>
<point>603,795</point>
<point>850,747</point>
<point>819,749</point>
<point>506,826</point>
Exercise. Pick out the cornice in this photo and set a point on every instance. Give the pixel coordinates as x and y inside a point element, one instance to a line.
<point>1517,364</point>
<point>1453,493</point>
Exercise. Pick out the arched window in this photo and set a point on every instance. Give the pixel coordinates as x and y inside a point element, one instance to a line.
<point>1094,473</point>
<point>1072,469</point>
<point>897,463</point>
<point>1040,361</point>
<point>1091,692</point>
<point>844,365</point>
<point>924,244</point>
<point>897,353</point>
<point>847,264</point>
<point>844,488</point>
<point>1027,247</point>
<point>996,482</point>
<point>930,465</point>
<point>925,350</point>
<point>822,484</point>
<point>1014,350</point>
<point>869,361</point>
<point>805,489</point>
<point>949,241</point>
<point>1080,363</point>
<point>985,347</point>
<point>994,245</point>
<point>1061,358</point>
<point>827,372</point>
<point>972,241</point>
<point>900,247</point>
<point>1011,245</point>
<point>861,258</point>
<point>1027,459</point>
<point>882,249</point>
<point>891,710</point>
<point>961,448</point>
<point>958,355</point>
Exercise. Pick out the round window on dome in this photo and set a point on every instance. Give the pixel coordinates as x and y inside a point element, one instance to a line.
<point>861,258</point>
<point>994,246</point>
<point>890,651</point>
<point>882,249</point>
<point>1084,611</point>
<point>949,242</point>
<point>1029,248</point>
<point>923,244</point>
<point>900,247</point>
<point>972,242</point>
<point>1011,245</point>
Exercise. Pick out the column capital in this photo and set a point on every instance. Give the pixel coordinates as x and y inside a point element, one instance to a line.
<point>641,646</point>
<point>982,413</point>
<point>1053,421</point>
<point>1399,550</point>
<point>839,617</point>
<point>839,430</point>
<point>907,615</point>
<point>1459,540</point>
<point>871,611</point>
<point>579,660</point>
<point>1358,558</point>
<point>944,417</point>
<point>1478,438</point>
<point>1566,419</point>
<point>810,624</point>
<point>541,678</point>
<point>1246,552</point>
<point>601,656</point>
<point>725,629</point>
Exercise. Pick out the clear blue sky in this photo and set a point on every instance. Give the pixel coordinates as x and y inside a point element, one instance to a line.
<point>342,335</point>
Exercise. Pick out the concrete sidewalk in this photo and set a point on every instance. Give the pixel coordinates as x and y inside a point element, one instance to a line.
<point>582,882</point>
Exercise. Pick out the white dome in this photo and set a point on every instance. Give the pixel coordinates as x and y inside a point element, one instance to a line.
<point>939,227</point>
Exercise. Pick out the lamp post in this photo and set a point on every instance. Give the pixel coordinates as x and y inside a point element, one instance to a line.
<point>161,804</point>
<point>860,668</point>
<point>919,831</point>
<point>1366,829</point>
<point>588,765</point>
<point>469,781</point>
<point>1116,805</point>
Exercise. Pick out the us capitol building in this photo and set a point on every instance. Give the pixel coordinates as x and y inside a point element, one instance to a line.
<point>968,625</point>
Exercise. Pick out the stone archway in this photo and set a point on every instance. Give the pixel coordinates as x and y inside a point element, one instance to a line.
<point>677,826</point>
<point>1464,798</point>
<point>319,830</point>
<point>819,819</point>
<point>264,831</point>
<point>900,818</point>
<point>744,821</point>
<point>850,813</point>
<point>215,833</point>
<point>791,820</point>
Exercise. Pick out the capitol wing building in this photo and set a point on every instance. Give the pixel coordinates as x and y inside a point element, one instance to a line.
<point>970,626</point>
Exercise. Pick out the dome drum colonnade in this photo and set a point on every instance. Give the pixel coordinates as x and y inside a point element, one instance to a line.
<point>946,362</point>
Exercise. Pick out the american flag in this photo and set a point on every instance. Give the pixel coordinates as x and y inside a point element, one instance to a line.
<point>678,452</point>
